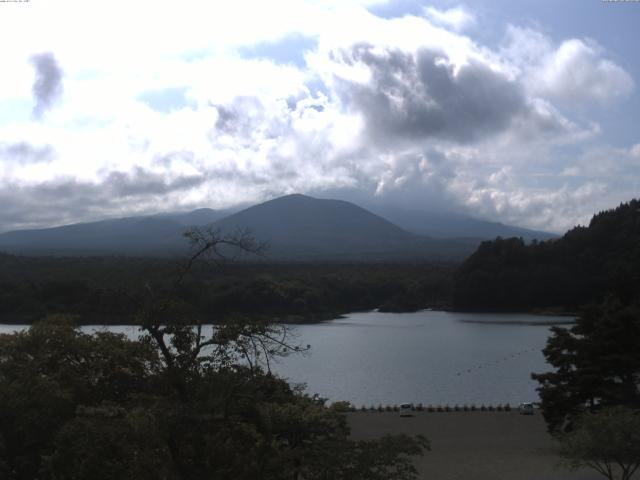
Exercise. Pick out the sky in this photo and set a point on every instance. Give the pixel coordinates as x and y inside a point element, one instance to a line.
<point>521,112</point>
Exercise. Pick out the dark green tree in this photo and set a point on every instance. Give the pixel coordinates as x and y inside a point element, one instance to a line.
<point>597,364</point>
<point>50,370</point>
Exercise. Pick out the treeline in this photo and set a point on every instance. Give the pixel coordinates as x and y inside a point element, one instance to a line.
<point>111,289</point>
<point>582,267</point>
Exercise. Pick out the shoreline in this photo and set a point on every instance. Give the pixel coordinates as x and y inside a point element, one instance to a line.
<point>316,318</point>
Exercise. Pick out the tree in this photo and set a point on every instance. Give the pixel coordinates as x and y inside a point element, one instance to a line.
<point>597,364</point>
<point>607,441</point>
<point>50,370</point>
<point>285,434</point>
<point>109,442</point>
<point>182,402</point>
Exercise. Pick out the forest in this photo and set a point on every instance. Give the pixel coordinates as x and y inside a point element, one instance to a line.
<point>107,290</point>
<point>583,267</point>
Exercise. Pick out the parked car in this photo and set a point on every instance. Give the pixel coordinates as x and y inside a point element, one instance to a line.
<point>526,409</point>
<point>406,410</point>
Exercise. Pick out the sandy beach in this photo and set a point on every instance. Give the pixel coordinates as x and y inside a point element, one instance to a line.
<point>475,445</point>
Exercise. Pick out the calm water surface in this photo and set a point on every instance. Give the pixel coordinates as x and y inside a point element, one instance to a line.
<point>432,357</point>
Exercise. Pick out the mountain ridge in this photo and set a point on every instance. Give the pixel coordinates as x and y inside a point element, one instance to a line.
<point>296,226</point>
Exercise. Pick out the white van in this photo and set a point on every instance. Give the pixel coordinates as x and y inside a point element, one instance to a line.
<point>526,409</point>
<point>406,410</point>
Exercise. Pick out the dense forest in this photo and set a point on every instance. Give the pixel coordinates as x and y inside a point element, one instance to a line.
<point>582,267</point>
<point>110,289</point>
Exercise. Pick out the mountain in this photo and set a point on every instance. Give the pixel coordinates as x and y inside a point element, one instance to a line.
<point>200,216</point>
<point>452,225</point>
<point>299,219</point>
<point>141,235</point>
<point>297,227</point>
<point>582,267</point>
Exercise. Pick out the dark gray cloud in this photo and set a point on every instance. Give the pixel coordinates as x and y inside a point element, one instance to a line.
<point>47,87</point>
<point>69,200</point>
<point>240,117</point>
<point>24,152</point>
<point>419,96</point>
<point>141,183</point>
<point>227,117</point>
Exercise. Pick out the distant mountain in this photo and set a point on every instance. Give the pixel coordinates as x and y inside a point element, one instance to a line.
<point>299,219</point>
<point>301,227</point>
<point>141,235</point>
<point>451,225</point>
<point>297,227</point>
<point>201,216</point>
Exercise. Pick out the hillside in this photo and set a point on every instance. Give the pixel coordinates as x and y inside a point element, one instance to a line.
<point>302,227</point>
<point>582,267</point>
<point>454,225</point>
<point>296,227</point>
<point>142,235</point>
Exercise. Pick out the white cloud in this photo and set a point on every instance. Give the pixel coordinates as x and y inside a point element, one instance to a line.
<point>457,18</point>
<point>575,71</point>
<point>403,108</point>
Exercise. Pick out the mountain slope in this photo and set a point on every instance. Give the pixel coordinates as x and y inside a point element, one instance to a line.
<point>296,227</point>
<point>451,225</point>
<point>302,227</point>
<point>130,235</point>
<point>582,267</point>
<point>301,220</point>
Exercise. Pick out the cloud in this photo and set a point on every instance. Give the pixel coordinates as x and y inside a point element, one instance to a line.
<point>25,153</point>
<point>423,96</point>
<point>457,18</point>
<point>329,98</point>
<point>69,200</point>
<point>47,87</point>
<point>575,71</point>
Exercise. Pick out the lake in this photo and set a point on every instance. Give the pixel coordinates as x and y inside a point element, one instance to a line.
<point>428,357</point>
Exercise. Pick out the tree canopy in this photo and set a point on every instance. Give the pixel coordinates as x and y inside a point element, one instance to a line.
<point>179,403</point>
<point>582,267</point>
<point>607,442</point>
<point>99,290</point>
<point>597,364</point>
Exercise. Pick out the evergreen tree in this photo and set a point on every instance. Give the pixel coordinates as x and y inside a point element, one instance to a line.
<point>597,364</point>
